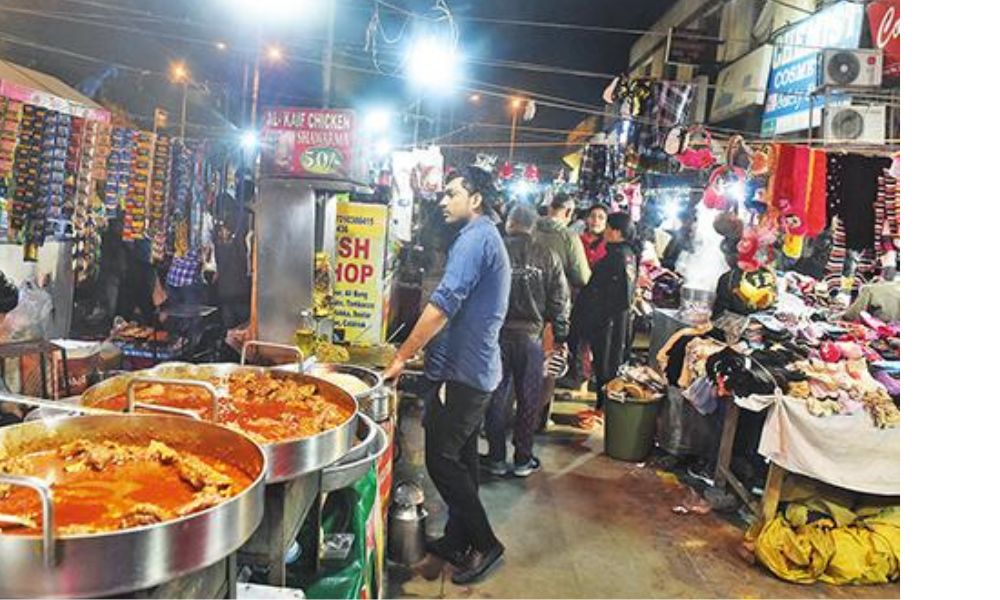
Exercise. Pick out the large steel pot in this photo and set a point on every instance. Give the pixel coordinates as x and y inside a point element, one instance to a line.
<point>374,402</point>
<point>373,443</point>
<point>132,559</point>
<point>285,460</point>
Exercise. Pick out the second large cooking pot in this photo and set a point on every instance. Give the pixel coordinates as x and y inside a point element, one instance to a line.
<point>285,459</point>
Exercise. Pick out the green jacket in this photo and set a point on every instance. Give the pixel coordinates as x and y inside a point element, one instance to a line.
<point>567,247</point>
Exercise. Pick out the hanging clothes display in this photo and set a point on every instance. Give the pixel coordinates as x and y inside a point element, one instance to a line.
<point>599,168</point>
<point>852,188</point>
<point>863,209</point>
<point>798,192</point>
<point>668,105</point>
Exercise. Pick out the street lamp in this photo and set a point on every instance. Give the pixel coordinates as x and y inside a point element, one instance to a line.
<point>515,104</point>
<point>274,54</point>
<point>179,74</point>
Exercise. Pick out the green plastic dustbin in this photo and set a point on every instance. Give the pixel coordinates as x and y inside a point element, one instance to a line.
<point>629,428</point>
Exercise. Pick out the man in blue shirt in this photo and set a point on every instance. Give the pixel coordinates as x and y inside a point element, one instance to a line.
<point>460,328</point>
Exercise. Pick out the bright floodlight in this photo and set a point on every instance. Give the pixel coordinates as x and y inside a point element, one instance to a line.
<point>377,120</point>
<point>383,148</point>
<point>248,140</point>
<point>432,63</point>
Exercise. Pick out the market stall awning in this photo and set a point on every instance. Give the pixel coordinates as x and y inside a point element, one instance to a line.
<point>28,85</point>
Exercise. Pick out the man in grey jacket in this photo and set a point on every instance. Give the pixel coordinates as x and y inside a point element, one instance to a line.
<point>554,233</point>
<point>538,295</point>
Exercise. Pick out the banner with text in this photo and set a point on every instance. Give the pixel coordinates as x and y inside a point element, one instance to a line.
<point>883,18</point>
<point>359,299</point>
<point>794,76</point>
<point>307,142</point>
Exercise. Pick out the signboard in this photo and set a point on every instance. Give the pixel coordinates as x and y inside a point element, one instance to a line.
<point>793,68</point>
<point>883,18</point>
<point>359,299</point>
<point>742,84</point>
<point>307,142</point>
<point>28,95</point>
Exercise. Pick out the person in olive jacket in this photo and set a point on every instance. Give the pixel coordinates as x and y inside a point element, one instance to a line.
<point>604,306</point>
<point>539,294</point>
<point>553,232</point>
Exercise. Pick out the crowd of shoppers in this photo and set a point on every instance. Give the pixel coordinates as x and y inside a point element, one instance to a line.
<point>504,304</point>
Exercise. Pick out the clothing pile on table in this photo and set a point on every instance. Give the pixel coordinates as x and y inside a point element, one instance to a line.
<point>798,349</point>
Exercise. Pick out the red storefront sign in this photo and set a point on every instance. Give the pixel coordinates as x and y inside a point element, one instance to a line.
<point>883,18</point>
<point>307,142</point>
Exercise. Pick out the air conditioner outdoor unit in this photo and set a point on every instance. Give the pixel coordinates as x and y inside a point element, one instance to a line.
<point>854,124</point>
<point>851,68</point>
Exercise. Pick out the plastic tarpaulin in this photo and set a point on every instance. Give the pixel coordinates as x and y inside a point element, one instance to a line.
<point>847,451</point>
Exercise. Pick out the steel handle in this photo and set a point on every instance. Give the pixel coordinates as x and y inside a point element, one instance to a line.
<point>298,351</point>
<point>48,514</point>
<point>53,404</point>
<point>130,393</point>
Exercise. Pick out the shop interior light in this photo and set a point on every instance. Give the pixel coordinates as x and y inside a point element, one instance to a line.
<point>432,64</point>
<point>475,98</point>
<point>221,46</point>
<point>248,140</point>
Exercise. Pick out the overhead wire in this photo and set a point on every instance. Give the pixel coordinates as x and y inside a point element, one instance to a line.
<point>501,64</point>
<point>540,99</point>
<point>485,92</point>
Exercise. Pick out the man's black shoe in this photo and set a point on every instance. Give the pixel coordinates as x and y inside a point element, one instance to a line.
<point>442,550</point>
<point>478,565</point>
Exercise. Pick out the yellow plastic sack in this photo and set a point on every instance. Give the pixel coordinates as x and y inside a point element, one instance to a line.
<point>863,552</point>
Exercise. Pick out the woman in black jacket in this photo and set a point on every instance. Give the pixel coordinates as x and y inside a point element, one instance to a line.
<point>604,306</point>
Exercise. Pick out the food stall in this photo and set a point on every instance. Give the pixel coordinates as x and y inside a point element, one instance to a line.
<point>37,218</point>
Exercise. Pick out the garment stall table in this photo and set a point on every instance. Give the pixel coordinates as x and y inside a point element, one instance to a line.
<point>766,508</point>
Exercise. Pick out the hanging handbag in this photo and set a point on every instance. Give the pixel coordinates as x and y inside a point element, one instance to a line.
<point>701,158</point>
<point>676,142</point>
<point>725,186</point>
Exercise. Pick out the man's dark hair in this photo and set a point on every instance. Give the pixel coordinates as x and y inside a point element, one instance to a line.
<point>8,295</point>
<point>560,200</point>
<point>477,181</point>
<point>621,221</point>
<point>598,207</point>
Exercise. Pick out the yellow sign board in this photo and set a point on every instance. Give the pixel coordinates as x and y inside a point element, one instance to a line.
<point>359,290</point>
